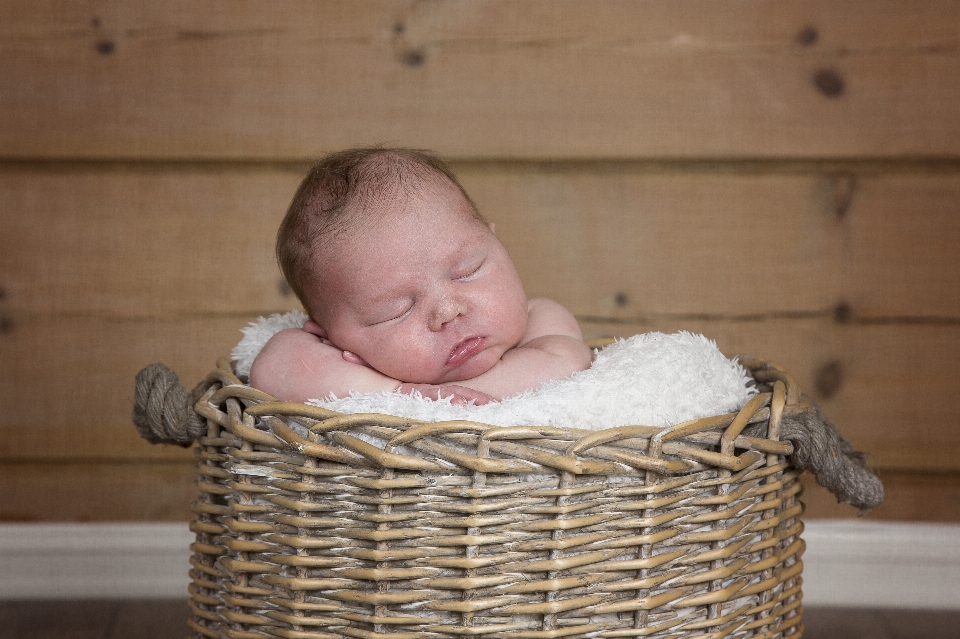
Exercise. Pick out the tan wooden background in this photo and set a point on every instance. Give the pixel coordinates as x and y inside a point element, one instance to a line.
<point>783,177</point>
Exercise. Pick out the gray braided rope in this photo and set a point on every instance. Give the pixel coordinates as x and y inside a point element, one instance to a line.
<point>163,410</point>
<point>819,448</point>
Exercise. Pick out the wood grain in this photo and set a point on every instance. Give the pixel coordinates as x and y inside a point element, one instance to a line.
<point>495,79</point>
<point>619,241</point>
<point>908,496</point>
<point>143,242</point>
<point>897,394</point>
<point>135,491</point>
<point>78,372</point>
<point>905,419</point>
<point>900,257</point>
<point>628,243</point>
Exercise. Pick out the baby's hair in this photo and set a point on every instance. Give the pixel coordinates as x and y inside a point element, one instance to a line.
<point>359,177</point>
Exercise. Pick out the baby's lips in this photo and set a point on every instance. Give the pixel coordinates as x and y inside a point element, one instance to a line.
<point>465,350</point>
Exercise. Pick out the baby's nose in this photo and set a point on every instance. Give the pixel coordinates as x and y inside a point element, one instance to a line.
<point>447,310</point>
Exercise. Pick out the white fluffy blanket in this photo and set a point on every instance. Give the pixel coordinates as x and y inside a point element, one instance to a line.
<point>651,379</point>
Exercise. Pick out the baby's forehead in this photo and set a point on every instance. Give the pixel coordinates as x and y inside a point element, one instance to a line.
<point>404,209</point>
<point>395,241</point>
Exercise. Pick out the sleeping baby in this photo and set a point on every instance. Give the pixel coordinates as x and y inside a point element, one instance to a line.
<point>408,289</point>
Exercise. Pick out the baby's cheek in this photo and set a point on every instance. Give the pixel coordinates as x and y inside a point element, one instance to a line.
<point>518,321</point>
<point>403,358</point>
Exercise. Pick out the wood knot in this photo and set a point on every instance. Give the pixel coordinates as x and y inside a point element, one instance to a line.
<point>844,188</point>
<point>829,379</point>
<point>105,47</point>
<point>807,36</point>
<point>829,83</point>
<point>842,313</point>
<point>414,57</point>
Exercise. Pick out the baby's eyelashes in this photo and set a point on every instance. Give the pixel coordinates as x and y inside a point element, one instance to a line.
<point>394,316</point>
<point>464,274</point>
<point>384,318</point>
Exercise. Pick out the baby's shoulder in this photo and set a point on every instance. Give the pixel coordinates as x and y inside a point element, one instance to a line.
<point>537,305</point>
<point>548,317</point>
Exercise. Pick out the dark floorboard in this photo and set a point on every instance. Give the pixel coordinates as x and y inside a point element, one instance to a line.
<point>94,619</point>
<point>165,619</point>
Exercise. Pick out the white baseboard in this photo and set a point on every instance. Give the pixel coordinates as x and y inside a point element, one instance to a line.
<point>881,564</point>
<point>847,563</point>
<point>94,561</point>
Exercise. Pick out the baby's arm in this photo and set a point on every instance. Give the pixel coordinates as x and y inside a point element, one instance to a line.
<point>296,365</point>
<point>552,348</point>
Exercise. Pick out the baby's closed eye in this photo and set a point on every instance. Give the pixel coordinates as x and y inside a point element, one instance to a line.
<point>466,272</point>
<point>393,314</point>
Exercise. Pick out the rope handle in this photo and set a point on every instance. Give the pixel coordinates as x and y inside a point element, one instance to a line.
<point>163,410</point>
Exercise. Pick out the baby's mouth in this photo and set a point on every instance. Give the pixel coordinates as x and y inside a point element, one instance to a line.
<point>464,351</point>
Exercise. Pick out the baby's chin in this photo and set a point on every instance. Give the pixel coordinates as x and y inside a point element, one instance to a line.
<point>474,367</point>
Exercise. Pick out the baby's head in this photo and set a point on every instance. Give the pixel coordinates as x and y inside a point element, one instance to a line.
<point>389,256</point>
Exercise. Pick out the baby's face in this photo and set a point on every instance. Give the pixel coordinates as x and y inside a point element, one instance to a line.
<point>424,293</point>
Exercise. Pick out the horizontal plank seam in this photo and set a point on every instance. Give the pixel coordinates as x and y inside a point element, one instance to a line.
<point>647,318</point>
<point>240,315</point>
<point>932,320</point>
<point>864,320</point>
<point>718,164</point>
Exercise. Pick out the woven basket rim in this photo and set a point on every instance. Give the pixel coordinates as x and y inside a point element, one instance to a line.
<point>406,442</point>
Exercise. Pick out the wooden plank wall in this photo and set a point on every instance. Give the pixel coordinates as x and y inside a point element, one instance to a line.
<point>783,177</point>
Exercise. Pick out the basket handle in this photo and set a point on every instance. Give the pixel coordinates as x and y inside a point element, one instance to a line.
<point>163,410</point>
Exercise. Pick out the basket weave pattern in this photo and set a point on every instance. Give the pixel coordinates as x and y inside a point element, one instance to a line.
<point>312,524</point>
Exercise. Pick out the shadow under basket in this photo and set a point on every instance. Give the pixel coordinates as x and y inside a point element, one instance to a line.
<point>312,524</point>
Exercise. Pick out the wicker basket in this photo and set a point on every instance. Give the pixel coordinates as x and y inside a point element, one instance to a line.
<point>307,528</point>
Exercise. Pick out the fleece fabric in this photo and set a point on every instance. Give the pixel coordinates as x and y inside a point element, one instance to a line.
<point>652,379</point>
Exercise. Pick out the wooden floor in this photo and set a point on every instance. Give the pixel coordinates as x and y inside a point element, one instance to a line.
<point>164,619</point>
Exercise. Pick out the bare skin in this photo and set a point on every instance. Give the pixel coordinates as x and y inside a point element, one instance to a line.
<point>425,299</point>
